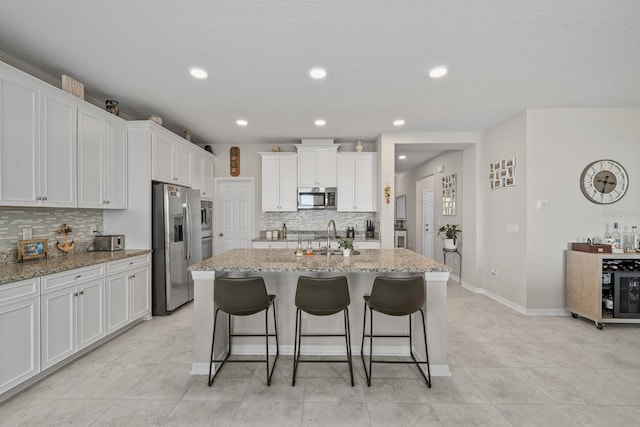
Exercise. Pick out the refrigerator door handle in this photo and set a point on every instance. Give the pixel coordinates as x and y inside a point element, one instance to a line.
<point>185,212</point>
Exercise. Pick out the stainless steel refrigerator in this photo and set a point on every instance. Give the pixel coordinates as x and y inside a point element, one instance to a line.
<point>176,243</point>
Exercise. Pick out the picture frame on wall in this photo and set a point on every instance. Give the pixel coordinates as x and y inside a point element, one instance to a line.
<point>32,249</point>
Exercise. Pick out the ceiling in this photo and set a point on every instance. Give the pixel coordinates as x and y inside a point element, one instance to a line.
<point>503,56</point>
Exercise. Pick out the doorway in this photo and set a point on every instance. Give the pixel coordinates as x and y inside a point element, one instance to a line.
<point>233,213</point>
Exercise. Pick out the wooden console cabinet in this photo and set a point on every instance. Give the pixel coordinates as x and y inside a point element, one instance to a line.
<point>585,286</point>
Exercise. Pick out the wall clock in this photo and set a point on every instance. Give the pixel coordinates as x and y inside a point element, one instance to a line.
<point>604,182</point>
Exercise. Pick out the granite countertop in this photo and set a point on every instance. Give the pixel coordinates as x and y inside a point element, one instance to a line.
<point>29,269</point>
<point>285,260</point>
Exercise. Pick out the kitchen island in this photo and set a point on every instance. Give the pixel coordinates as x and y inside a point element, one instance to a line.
<point>281,269</point>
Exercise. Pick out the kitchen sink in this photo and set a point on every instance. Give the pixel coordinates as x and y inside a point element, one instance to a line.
<point>334,252</point>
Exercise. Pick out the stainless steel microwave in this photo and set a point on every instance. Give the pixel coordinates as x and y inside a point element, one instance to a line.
<point>317,198</point>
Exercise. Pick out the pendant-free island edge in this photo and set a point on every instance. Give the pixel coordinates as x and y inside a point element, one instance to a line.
<point>281,269</point>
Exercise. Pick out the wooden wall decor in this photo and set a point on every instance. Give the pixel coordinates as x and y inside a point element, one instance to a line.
<point>234,161</point>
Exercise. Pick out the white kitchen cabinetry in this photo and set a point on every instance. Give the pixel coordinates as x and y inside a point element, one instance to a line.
<point>171,158</point>
<point>207,172</point>
<point>357,182</point>
<point>102,159</point>
<point>37,142</point>
<point>279,189</point>
<point>19,332</point>
<point>359,244</point>
<point>128,286</point>
<point>72,309</point>
<point>317,165</point>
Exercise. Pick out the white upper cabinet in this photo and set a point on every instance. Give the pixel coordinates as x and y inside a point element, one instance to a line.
<point>357,182</point>
<point>207,173</point>
<point>37,142</point>
<point>279,189</point>
<point>102,159</point>
<point>172,159</point>
<point>317,165</point>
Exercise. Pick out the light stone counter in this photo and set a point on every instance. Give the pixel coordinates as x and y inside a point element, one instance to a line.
<point>281,269</point>
<point>10,273</point>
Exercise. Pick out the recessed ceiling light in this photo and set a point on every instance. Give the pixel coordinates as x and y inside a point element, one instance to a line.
<point>318,73</point>
<point>398,122</point>
<point>402,157</point>
<point>242,122</point>
<point>438,71</point>
<point>320,122</point>
<point>198,73</point>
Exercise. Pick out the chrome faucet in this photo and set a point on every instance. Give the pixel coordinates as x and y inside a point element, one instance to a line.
<point>331,222</point>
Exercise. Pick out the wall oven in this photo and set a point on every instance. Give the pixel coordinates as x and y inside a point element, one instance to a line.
<point>317,198</point>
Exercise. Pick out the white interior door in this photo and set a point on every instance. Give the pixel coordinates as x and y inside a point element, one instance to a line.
<point>428,227</point>
<point>233,214</point>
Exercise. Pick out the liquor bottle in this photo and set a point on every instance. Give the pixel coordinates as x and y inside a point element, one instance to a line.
<point>284,231</point>
<point>635,239</point>
<point>617,242</point>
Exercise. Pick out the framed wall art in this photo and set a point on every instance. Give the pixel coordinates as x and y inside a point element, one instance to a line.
<point>32,249</point>
<point>449,195</point>
<point>502,174</point>
<point>234,161</point>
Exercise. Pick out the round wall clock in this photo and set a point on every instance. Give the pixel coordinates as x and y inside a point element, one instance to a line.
<point>604,182</point>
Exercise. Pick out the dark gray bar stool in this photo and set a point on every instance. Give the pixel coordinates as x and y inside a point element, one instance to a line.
<point>395,297</point>
<point>243,297</point>
<point>321,297</point>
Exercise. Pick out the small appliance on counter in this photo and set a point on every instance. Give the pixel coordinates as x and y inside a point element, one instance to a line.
<point>108,243</point>
<point>351,234</point>
<point>371,231</point>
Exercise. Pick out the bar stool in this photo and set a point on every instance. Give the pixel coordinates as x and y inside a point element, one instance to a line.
<point>243,297</point>
<point>321,297</point>
<point>395,297</point>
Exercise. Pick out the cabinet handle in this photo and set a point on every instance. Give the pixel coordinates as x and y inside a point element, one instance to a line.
<point>133,276</point>
<point>78,276</point>
<point>82,292</point>
<point>44,197</point>
<point>131,263</point>
<point>38,198</point>
<point>108,201</point>
<point>75,294</point>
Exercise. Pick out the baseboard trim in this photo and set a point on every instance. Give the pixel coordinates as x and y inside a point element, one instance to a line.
<point>517,307</point>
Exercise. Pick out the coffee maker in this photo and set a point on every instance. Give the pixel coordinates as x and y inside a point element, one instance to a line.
<point>351,234</point>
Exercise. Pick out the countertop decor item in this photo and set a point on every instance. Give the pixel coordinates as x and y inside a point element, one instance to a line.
<point>275,148</point>
<point>32,249</point>
<point>234,161</point>
<point>450,232</point>
<point>387,193</point>
<point>347,246</point>
<point>65,246</point>
<point>604,182</point>
<point>72,86</point>
<point>359,146</point>
<point>187,135</point>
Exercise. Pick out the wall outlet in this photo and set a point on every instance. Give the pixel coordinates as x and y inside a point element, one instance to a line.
<point>93,228</point>
<point>27,233</point>
<point>494,272</point>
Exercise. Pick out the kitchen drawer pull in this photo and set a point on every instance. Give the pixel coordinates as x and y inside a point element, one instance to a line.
<point>78,276</point>
<point>75,294</point>
<point>82,292</point>
<point>133,276</point>
<point>131,263</point>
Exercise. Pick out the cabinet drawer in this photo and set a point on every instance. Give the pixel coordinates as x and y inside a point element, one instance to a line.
<point>127,263</point>
<point>66,278</point>
<point>16,291</point>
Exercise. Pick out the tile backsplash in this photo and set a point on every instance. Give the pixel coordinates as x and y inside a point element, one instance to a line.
<point>44,222</point>
<point>317,220</point>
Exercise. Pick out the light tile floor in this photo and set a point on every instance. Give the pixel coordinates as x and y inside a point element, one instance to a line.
<point>508,370</point>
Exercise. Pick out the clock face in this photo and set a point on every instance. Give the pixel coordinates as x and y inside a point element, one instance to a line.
<point>604,182</point>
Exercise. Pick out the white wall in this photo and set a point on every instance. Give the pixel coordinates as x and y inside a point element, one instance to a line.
<point>560,144</point>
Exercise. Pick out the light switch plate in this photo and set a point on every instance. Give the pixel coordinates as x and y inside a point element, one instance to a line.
<point>512,228</point>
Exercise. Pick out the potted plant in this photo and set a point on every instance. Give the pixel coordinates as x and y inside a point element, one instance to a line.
<point>347,245</point>
<point>450,233</point>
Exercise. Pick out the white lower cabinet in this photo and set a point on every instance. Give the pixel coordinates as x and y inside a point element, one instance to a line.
<point>19,332</point>
<point>128,291</point>
<point>72,318</point>
<point>273,245</point>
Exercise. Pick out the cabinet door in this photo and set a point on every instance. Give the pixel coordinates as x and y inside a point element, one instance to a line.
<point>91,160</point>
<point>162,158</point>
<point>270,183</point>
<point>326,166</point>
<point>288,189</point>
<point>206,189</point>
<point>115,177</point>
<point>140,282</point>
<point>58,325</point>
<point>196,179</point>
<point>19,139</point>
<point>183,160</point>
<point>59,118</point>
<point>364,184</point>
<point>346,183</point>
<point>20,338</point>
<point>90,317</point>
<point>118,307</point>
<point>307,163</point>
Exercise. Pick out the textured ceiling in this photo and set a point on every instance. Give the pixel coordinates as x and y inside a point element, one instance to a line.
<point>503,55</point>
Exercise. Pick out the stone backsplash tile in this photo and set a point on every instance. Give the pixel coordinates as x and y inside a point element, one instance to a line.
<point>44,222</point>
<point>317,220</point>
